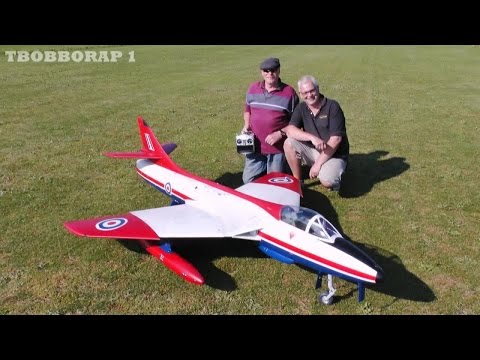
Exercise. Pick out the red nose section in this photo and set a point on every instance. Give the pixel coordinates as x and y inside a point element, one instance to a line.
<point>175,263</point>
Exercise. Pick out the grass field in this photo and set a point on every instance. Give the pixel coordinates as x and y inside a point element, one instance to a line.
<point>410,196</point>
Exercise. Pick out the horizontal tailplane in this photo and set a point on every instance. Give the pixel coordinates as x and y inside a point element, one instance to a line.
<point>151,148</point>
<point>168,148</point>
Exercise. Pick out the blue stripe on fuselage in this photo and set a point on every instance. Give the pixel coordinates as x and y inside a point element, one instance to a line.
<point>175,198</point>
<point>306,262</point>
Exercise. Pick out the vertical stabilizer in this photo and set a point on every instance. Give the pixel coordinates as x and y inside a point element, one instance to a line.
<point>151,148</point>
<point>149,140</point>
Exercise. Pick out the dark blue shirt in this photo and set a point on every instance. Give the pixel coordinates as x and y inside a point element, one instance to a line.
<point>329,121</point>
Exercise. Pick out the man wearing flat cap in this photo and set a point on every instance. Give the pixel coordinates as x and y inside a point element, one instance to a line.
<point>269,105</point>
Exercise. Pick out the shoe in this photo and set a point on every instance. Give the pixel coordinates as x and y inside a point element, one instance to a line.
<point>335,188</point>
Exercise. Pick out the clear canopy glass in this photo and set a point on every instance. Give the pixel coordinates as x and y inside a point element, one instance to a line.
<point>309,221</point>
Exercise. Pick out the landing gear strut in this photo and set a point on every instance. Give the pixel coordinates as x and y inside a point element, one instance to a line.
<point>326,297</point>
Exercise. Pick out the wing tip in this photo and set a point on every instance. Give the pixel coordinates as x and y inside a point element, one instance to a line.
<point>70,226</point>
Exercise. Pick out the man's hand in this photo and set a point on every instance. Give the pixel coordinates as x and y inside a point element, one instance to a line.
<point>319,144</point>
<point>314,170</point>
<point>245,129</point>
<point>272,138</point>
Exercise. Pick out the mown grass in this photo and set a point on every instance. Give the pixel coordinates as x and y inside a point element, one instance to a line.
<point>410,195</point>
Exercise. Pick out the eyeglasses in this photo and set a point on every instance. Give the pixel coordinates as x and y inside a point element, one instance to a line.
<point>269,70</point>
<point>311,91</point>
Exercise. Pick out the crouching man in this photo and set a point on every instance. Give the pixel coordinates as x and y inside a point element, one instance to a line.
<point>317,136</point>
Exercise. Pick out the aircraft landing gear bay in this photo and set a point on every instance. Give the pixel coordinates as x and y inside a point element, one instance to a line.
<point>326,297</point>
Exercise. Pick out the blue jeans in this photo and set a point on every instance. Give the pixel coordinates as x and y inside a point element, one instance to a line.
<point>260,164</point>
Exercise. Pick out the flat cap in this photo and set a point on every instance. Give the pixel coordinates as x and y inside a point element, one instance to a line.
<point>270,64</point>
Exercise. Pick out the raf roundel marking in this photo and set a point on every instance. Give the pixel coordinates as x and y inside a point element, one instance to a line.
<point>281,180</point>
<point>111,224</point>
<point>168,188</point>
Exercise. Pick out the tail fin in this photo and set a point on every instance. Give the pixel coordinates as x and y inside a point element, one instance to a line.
<point>151,147</point>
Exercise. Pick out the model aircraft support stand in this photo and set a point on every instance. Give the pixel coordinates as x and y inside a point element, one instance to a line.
<point>361,292</point>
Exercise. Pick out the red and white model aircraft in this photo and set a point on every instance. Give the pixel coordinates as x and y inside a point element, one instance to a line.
<point>266,210</point>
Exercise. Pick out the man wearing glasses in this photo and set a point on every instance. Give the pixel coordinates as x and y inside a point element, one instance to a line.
<point>268,108</point>
<point>317,136</point>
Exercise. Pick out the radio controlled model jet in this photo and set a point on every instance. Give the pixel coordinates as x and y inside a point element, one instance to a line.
<point>266,210</point>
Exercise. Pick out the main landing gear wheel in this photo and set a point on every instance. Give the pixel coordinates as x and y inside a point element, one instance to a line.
<point>325,299</point>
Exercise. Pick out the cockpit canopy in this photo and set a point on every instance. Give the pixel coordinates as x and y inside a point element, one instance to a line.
<point>309,221</point>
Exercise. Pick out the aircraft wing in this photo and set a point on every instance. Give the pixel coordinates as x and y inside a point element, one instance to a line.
<point>275,187</point>
<point>179,221</point>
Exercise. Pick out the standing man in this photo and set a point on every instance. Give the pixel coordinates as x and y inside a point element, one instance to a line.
<point>268,108</point>
<point>323,142</point>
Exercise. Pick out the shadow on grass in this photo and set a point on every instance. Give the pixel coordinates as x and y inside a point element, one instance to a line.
<point>202,252</point>
<point>366,170</point>
<point>232,180</point>
<point>399,282</point>
<point>202,255</point>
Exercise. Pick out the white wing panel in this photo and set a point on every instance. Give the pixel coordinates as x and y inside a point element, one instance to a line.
<point>275,194</point>
<point>187,221</point>
<point>237,216</point>
<point>181,221</point>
